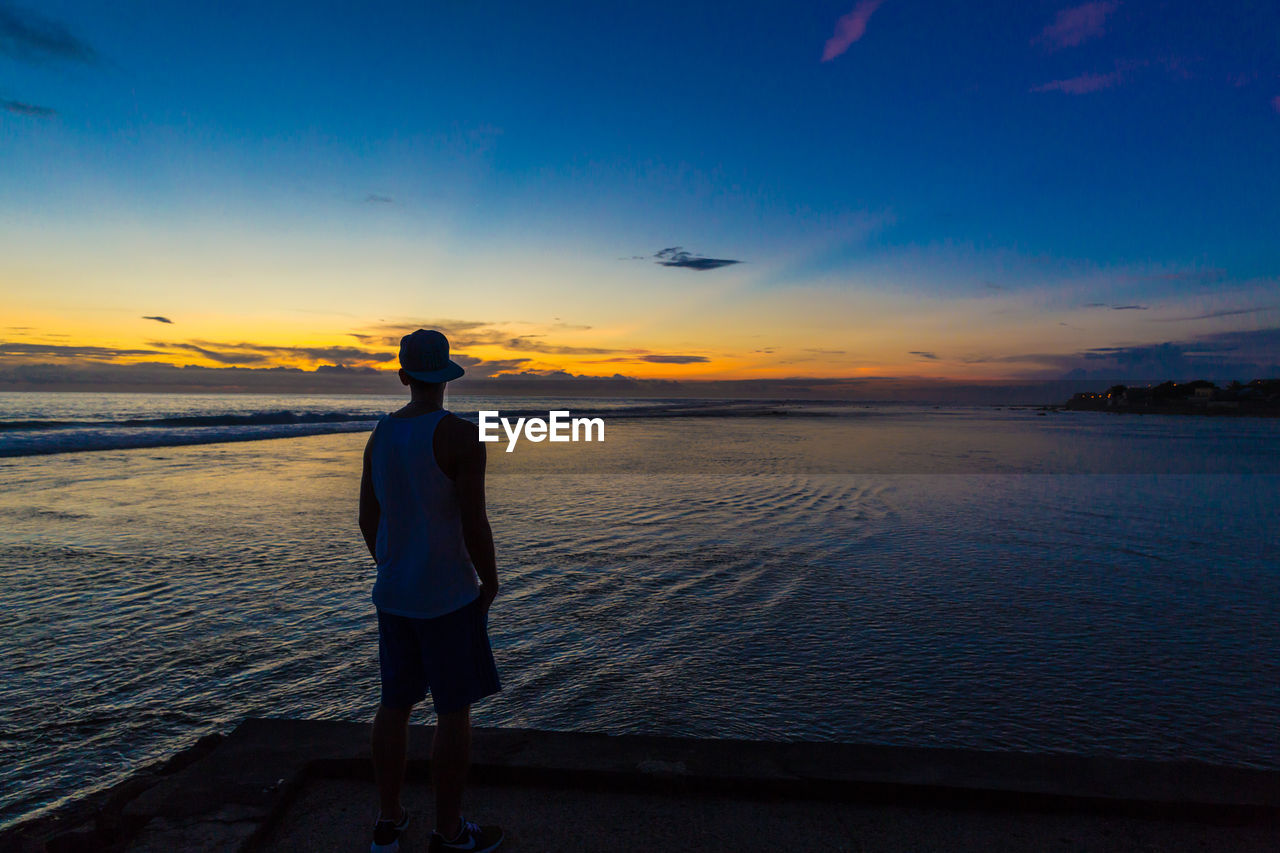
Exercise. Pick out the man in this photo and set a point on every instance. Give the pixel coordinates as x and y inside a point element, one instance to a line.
<point>422,513</point>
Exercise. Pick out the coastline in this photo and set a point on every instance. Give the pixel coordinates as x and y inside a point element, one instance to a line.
<point>235,793</point>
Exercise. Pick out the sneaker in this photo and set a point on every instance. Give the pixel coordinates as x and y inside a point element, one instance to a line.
<point>386,834</point>
<point>472,838</point>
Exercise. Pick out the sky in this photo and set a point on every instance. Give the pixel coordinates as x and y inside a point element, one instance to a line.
<point>750,191</point>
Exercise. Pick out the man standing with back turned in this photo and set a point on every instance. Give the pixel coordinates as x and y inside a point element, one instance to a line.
<point>423,517</point>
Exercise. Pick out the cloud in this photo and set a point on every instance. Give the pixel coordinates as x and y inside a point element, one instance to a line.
<point>1080,85</point>
<point>27,36</point>
<point>849,28</point>
<point>479,367</point>
<point>250,354</point>
<point>24,109</point>
<point>654,358</point>
<point>69,351</point>
<point>374,198</point>
<point>529,344</point>
<point>461,333</point>
<point>1076,25</point>
<point>1128,308</point>
<point>1212,314</point>
<point>1219,356</point>
<point>675,256</point>
<point>224,356</point>
<point>924,354</point>
<point>675,359</point>
<point>342,369</point>
<point>464,334</point>
<point>159,319</point>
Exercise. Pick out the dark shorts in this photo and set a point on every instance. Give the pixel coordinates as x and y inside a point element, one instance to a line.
<point>448,655</point>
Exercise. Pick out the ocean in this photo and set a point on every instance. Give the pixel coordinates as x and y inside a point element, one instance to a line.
<point>988,578</point>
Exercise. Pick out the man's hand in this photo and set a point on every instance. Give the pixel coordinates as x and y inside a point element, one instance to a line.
<point>488,592</point>
<point>370,510</point>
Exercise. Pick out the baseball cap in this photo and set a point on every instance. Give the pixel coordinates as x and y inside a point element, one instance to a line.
<point>424,355</point>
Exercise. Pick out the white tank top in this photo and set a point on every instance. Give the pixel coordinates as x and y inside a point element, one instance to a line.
<point>424,569</point>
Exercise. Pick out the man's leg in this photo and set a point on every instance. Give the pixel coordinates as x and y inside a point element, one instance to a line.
<point>450,758</point>
<point>390,742</point>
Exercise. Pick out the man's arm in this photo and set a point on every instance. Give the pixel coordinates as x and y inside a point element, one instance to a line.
<point>370,511</point>
<point>476,532</point>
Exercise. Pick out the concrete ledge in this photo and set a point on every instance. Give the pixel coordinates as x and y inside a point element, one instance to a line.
<point>230,798</point>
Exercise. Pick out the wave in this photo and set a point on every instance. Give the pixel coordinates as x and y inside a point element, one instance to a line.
<point>81,440</point>
<point>35,437</point>
<point>247,419</point>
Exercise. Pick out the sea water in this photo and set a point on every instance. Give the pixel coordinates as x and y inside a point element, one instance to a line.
<point>984,578</point>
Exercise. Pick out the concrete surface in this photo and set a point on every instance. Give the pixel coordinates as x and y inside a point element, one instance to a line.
<point>337,815</point>
<point>296,784</point>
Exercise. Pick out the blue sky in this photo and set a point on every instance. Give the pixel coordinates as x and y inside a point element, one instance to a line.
<point>900,161</point>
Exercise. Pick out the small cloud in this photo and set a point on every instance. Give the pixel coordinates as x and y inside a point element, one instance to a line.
<point>675,359</point>
<point>1275,103</point>
<point>374,198</point>
<point>1128,308</point>
<point>1080,85</point>
<point>1212,314</point>
<point>345,370</point>
<point>676,256</point>
<point>479,367</point>
<point>849,28</point>
<point>159,319</point>
<point>27,36</point>
<point>922,354</point>
<point>1076,25</point>
<point>528,343</point>
<point>224,356</point>
<point>250,354</point>
<point>24,109</point>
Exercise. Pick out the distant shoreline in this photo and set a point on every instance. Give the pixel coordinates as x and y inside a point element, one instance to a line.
<point>1257,399</point>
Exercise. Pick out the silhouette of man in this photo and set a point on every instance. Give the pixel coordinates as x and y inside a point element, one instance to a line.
<point>422,513</point>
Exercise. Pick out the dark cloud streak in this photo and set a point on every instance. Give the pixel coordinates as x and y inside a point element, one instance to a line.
<point>675,359</point>
<point>27,36</point>
<point>247,353</point>
<point>69,351</point>
<point>1212,314</point>
<point>676,256</point>
<point>25,109</point>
